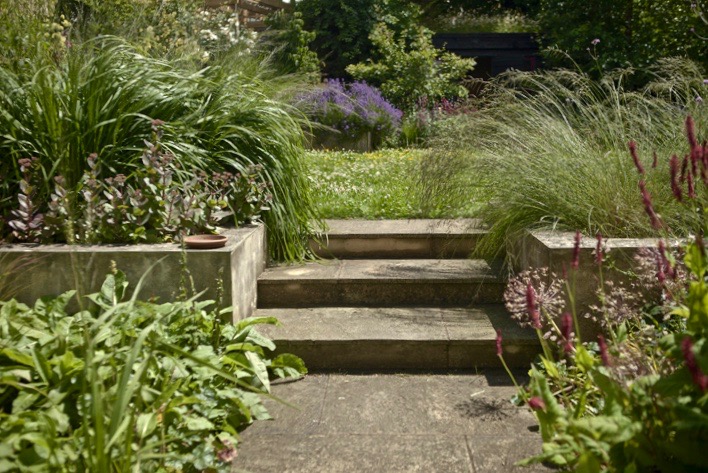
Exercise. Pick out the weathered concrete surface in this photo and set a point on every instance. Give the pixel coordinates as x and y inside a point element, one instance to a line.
<point>376,339</point>
<point>393,423</point>
<point>420,238</point>
<point>382,283</point>
<point>49,270</point>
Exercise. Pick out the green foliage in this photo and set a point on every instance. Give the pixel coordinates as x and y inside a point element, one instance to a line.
<point>391,183</point>
<point>410,68</point>
<point>291,43</point>
<point>475,22</point>
<point>150,205</point>
<point>630,32</point>
<point>102,97</point>
<point>559,140</point>
<point>343,28</point>
<point>129,386</point>
<point>637,400</point>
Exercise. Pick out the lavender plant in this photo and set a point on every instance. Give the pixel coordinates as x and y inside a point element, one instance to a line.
<point>636,397</point>
<point>352,109</point>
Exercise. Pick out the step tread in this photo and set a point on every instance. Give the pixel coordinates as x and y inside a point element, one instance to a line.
<point>413,228</point>
<point>435,325</point>
<point>384,270</point>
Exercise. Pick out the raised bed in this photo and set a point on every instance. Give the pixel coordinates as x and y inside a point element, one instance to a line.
<point>33,271</point>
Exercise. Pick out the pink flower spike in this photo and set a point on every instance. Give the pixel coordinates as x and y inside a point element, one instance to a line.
<point>537,404</point>
<point>499,343</point>
<point>531,307</point>
<point>567,332</point>
<point>675,185</point>
<point>699,378</point>
<point>649,207</point>
<point>691,132</point>
<point>604,356</point>
<point>635,157</point>
<point>575,263</point>
<point>691,186</point>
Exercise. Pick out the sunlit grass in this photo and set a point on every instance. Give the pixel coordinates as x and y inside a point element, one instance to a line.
<point>391,183</point>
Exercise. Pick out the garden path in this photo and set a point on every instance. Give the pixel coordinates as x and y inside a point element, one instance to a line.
<point>393,297</point>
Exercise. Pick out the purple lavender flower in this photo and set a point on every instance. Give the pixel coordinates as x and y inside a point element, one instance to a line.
<point>351,108</point>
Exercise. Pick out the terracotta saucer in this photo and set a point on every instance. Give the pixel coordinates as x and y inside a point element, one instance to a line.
<point>205,242</point>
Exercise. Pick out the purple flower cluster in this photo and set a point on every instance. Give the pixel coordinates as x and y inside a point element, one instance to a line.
<point>353,108</point>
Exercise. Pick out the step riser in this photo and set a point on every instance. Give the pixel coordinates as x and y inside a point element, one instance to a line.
<point>394,247</point>
<point>378,294</point>
<point>381,356</point>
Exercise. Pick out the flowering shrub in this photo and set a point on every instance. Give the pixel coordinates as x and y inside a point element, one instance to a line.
<point>151,204</point>
<point>353,109</point>
<point>636,397</point>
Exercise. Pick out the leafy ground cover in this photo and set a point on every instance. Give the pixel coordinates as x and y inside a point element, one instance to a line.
<point>390,183</point>
<point>125,385</point>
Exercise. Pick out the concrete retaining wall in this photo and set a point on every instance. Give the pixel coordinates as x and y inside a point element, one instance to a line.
<point>33,271</point>
<point>554,250</point>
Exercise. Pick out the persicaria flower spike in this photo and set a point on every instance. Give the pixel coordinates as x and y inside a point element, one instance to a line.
<point>576,251</point>
<point>635,157</point>
<point>675,185</point>
<point>699,378</point>
<point>537,404</point>
<point>691,186</point>
<point>567,332</point>
<point>532,307</point>
<point>604,355</point>
<point>649,207</point>
<point>499,343</point>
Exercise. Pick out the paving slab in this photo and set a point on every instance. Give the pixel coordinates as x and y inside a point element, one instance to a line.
<point>381,339</point>
<point>459,422</point>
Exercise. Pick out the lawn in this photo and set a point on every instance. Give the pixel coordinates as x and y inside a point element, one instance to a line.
<point>390,183</point>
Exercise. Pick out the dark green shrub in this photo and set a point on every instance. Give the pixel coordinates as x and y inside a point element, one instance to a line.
<point>606,34</point>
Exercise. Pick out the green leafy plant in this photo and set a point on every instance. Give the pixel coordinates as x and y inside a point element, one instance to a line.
<point>410,68</point>
<point>636,399</point>
<point>289,39</point>
<point>103,96</point>
<point>148,205</point>
<point>129,385</point>
<point>605,34</point>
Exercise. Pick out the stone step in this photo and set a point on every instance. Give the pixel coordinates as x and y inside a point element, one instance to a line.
<point>386,339</point>
<point>423,238</point>
<point>381,283</point>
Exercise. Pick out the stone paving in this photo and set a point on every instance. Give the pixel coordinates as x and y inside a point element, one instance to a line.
<point>460,422</point>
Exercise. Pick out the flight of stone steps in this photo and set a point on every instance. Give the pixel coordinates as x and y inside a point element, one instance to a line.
<point>393,295</point>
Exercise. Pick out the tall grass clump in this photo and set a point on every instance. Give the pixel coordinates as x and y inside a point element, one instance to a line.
<point>103,97</point>
<point>550,150</point>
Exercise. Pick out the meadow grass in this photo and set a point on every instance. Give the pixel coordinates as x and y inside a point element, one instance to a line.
<point>385,184</point>
<point>550,150</point>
